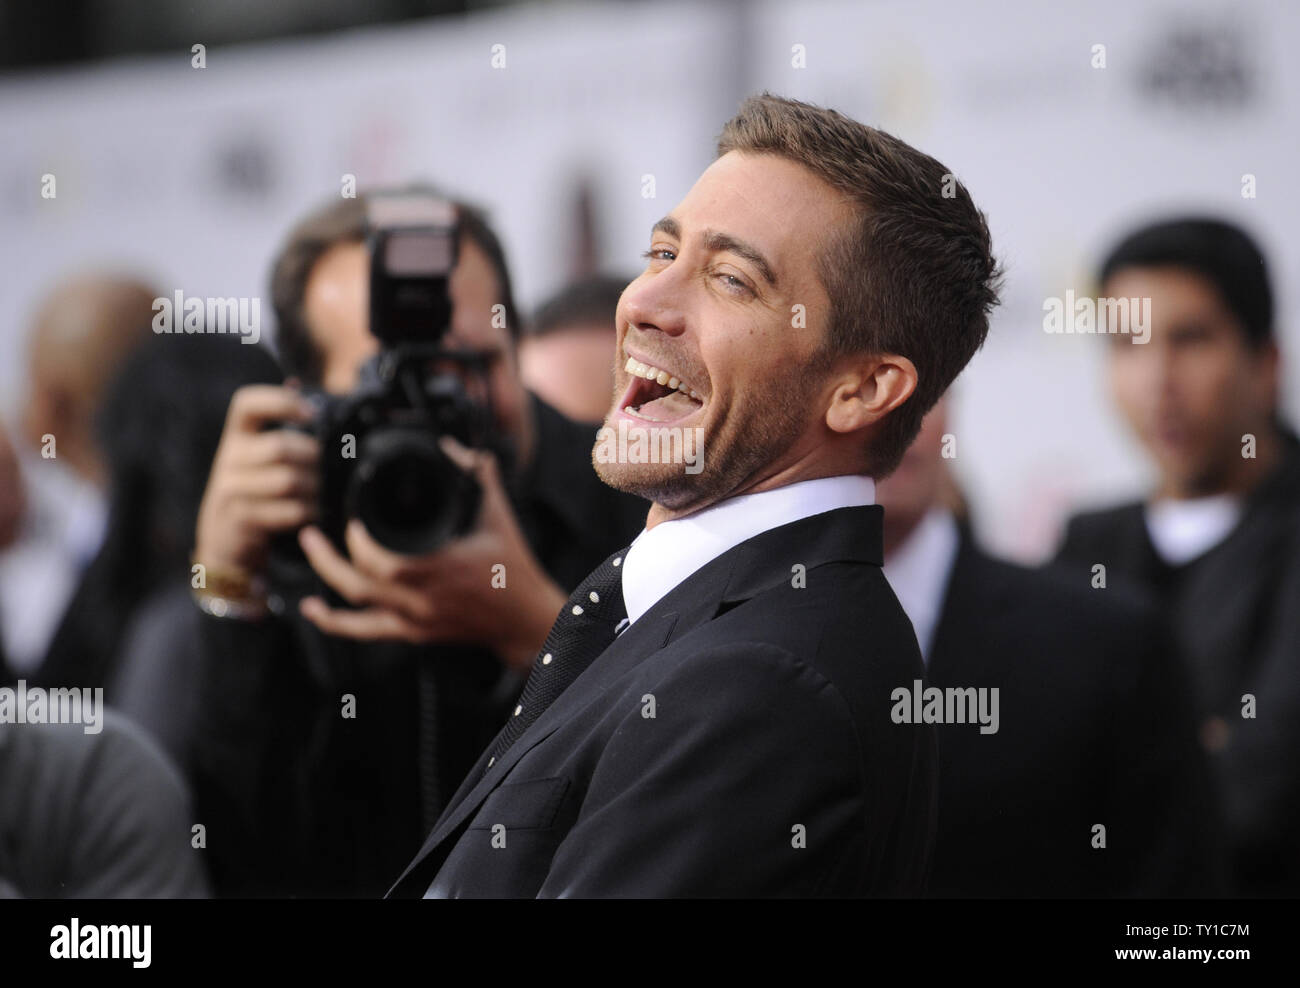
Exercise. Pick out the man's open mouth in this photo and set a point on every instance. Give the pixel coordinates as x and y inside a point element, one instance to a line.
<point>658,396</point>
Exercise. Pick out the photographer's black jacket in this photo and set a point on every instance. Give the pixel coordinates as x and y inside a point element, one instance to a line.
<point>300,800</point>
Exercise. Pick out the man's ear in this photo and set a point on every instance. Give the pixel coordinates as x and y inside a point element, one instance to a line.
<point>1269,364</point>
<point>869,390</point>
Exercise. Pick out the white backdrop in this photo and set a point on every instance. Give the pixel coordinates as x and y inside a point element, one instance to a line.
<point>191,177</point>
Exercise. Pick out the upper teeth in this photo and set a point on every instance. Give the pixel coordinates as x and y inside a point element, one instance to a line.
<point>635,366</point>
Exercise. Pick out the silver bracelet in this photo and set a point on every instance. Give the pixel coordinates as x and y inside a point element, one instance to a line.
<point>235,610</point>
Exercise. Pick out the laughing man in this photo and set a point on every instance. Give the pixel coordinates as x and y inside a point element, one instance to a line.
<point>710,715</point>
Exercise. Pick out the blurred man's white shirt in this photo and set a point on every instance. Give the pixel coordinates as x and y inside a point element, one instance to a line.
<point>59,536</point>
<point>918,570</point>
<point>1183,530</point>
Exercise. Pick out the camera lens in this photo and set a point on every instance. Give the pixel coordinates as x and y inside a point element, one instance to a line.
<point>408,494</point>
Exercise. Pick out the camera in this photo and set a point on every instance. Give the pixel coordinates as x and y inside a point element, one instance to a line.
<point>381,460</point>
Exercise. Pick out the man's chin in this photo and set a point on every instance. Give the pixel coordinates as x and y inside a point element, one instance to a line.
<point>661,483</point>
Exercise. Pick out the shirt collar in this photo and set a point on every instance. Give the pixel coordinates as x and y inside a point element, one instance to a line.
<point>662,557</point>
<point>1183,530</point>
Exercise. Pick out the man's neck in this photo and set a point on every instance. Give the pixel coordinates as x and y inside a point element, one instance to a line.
<point>898,530</point>
<point>524,435</point>
<point>793,473</point>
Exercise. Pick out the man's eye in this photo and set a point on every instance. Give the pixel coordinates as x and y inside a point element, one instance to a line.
<point>734,285</point>
<point>1189,336</point>
<point>654,254</point>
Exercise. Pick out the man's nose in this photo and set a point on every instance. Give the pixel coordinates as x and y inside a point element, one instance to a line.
<point>1165,378</point>
<point>656,302</point>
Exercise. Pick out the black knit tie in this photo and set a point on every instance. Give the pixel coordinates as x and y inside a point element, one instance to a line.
<point>588,624</point>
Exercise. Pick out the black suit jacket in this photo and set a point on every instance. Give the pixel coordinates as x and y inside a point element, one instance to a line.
<point>770,765</point>
<point>1095,727</point>
<point>1235,612</point>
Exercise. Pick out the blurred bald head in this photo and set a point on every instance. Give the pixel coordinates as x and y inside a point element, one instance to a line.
<point>81,332</point>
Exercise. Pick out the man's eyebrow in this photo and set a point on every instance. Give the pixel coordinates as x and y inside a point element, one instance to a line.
<point>715,241</point>
<point>669,226</point>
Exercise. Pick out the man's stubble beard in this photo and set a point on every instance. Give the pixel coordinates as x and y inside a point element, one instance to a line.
<point>733,451</point>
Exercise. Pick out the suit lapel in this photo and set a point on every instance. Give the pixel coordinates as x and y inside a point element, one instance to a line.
<point>647,635</point>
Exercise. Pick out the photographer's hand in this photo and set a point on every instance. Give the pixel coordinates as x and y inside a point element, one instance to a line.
<point>262,481</point>
<point>452,595</point>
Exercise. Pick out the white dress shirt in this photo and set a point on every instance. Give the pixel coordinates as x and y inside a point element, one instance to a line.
<point>918,570</point>
<point>664,556</point>
<point>1182,530</point>
<point>59,535</point>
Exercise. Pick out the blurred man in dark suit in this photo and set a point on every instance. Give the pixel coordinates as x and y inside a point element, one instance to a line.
<point>81,333</point>
<point>1218,538</point>
<point>1094,723</point>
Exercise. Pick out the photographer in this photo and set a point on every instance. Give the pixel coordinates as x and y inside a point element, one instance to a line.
<point>331,736</point>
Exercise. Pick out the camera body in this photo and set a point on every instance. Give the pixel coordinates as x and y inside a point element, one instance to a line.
<point>381,458</point>
<point>381,461</point>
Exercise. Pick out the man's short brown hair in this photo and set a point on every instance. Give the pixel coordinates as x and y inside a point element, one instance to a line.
<point>913,274</point>
<point>344,222</point>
